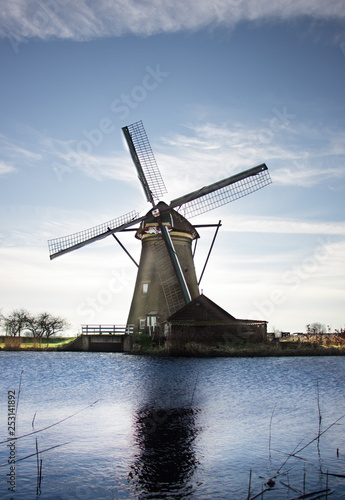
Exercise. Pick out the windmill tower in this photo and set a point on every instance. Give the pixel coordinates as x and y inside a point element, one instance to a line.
<point>166,278</point>
<point>158,293</point>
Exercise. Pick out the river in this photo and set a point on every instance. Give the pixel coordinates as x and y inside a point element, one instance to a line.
<point>116,426</point>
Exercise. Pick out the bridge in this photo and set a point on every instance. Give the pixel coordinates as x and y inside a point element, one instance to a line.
<point>103,338</point>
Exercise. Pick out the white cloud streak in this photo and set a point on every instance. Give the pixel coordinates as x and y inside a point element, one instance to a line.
<point>5,168</point>
<point>15,155</point>
<point>297,155</point>
<point>98,167</point>
<point>281,225</point>
<point>80,20</point>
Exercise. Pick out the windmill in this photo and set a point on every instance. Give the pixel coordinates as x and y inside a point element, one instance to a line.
<point>166,278</point>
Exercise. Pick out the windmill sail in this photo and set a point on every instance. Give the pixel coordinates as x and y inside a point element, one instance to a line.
<point>222,192</point>
<point>144,161</point>
<point>59,246</point>
<point>153,185</point>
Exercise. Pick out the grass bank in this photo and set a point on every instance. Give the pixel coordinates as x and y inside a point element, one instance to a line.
<point>242,350</point>
<point>142,346</point>
<point>34,344</point>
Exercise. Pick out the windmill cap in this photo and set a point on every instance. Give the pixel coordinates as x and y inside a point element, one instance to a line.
<point>168,216</point>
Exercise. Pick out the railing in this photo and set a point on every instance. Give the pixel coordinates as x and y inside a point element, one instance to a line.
<point>106,329</point>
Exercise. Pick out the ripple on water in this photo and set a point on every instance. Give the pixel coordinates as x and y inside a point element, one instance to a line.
<point>172,427</point>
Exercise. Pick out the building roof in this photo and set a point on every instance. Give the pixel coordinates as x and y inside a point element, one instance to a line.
<point>203,311</point>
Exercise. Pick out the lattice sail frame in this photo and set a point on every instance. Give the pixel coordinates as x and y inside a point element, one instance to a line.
<point>58,246</point>
<point>222,195</point>
<point>145,162</point>
<point>190,205</point>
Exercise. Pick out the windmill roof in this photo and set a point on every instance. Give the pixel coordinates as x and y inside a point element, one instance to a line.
<point>179,223</point>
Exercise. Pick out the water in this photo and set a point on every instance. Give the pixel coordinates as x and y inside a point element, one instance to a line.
<point>167,428</point>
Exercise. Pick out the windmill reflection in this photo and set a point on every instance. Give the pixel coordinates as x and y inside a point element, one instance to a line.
<point>166,460</point>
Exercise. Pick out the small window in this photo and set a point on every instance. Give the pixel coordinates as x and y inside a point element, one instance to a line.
<point>151,320</point>
<point>142,323</point>
<point>145,287</point>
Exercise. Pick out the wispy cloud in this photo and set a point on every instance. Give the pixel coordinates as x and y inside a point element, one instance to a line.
<point>65,157</point>
<point>308,176</point>
<point>296,154</point>
<point>14,155</point>
<point>85,20</point>
<point>5,168</point>
<point>281,225</point>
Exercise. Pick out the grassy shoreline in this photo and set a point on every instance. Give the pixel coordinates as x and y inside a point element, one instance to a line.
<point>247,350</point>
<point>32,344</point>
<point>265,349</point>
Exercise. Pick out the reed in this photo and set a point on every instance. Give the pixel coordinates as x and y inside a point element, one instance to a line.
<point>250,483</point>
<point>12,343</point>
<point>271,483</point>
<point>39,462</point>
<point>38,453</point>
<point>264,349</point>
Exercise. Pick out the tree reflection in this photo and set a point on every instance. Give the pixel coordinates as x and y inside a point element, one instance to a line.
<point>166,460</point>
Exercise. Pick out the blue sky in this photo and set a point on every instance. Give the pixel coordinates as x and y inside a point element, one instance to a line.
<point>220,88</point>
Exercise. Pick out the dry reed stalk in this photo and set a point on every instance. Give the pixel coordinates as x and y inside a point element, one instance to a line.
<point>320,416</point>
<point>39,463</point>
<point>334,475</point>
<point>12,343</point>
<point>319,435</point>
<point>19,391</point>
<point>249,485</point>
<point>289,455</point>
<point>196,381</point>
<point>34,454</point>
<point>33,421</point>
<point>50,426</point>
<point>261,493</point>
<point>270,432</point>
<point>294,453</point>
<point>320,493</point>
<point>295,490</point>
<point>304,476</point>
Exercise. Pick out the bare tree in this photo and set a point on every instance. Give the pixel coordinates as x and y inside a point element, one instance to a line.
<point>42,325</point>
<point>34,326</point>
<point>316,328</point>
<point>15,323</point>
<point>51,325</point>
